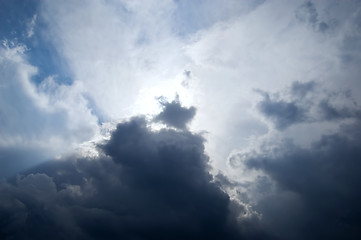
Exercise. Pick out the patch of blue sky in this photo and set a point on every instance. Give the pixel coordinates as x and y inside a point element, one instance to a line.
<point>16,18</point>
<point>42,54</point>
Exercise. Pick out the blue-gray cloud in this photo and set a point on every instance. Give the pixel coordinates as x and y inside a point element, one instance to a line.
<point>307,13</point>
<point>174,115</point>
<point>314,188</point>
<point>282,113</point>
<point>145,185</point>
<point>303,102</point>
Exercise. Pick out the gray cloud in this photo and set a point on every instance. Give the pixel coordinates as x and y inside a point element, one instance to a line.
<point>174,115</point>
<point>310,193</point>
<point>145,185</point>
<point>282,113</point>
<point>308,13</point>
<point>306,102</point>
<point>350,45</point>
<point>302,89</point>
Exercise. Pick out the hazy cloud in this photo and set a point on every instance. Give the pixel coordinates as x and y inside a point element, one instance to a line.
<point>307,13</point>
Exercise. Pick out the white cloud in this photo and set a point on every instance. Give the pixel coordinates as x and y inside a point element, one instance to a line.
<point>269,48</point>
<point>31,25</point>
<point>125,53</point>
<point>47,120</point>
<point>118,50</point>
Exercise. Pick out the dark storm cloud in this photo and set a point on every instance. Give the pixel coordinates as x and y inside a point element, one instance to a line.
<point>303,102</point>
<point>174,115</point>
<point>310,193</point>
<point>145,185</point>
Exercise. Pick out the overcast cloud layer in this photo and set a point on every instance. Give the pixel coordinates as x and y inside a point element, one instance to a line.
<point>180,119</point>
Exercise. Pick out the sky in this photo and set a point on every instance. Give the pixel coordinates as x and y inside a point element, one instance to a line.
<point>180,119</point>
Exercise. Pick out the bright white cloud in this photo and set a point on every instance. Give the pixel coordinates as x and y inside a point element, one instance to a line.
<point>118,50</point>
<point>126,53</point>
<point>47,120</point>
<point>269,48</point>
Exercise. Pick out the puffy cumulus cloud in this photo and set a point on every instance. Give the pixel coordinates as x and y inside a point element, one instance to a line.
<point>304,192</point>
<point>144,185</point>
<point>315,190</point>
<point>307,102</point>
<point>174,115</point>
<point>37,120</point>
<point>268,48</point>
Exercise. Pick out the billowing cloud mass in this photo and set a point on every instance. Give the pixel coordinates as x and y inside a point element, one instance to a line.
<point>261,142</point>
<point>308,193</point>
<point>144,185</point>
<point>305,192</point>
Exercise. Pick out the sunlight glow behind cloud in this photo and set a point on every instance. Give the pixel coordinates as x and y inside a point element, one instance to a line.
<point>271,86</point>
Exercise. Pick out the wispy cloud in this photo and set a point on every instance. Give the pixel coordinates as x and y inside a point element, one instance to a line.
<point>31,26</point>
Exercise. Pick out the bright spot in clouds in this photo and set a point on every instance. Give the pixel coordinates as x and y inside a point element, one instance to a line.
<point>153,96</point>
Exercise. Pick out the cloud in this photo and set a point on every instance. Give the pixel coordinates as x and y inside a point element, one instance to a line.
<point>301,89</point>
<point>229,48</point>
<point>139,53</point>
<point>307,102</point>
<point>40,119</point>
<point>307,13</point>
<point>297,188</point>
<point>192,16</point>
<point>17,158</point>
<point>174,115</point>
<point>120,55</point>
<point>144,185</point>
<point>268,48</point>
<point>31,25</point>
<point>282,113</point>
